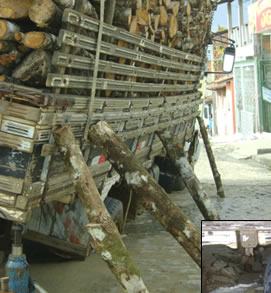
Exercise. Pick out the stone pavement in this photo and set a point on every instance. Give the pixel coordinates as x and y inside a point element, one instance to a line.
<point>245,148</point>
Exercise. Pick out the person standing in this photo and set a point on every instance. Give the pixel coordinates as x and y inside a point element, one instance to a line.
<point>211,124</point>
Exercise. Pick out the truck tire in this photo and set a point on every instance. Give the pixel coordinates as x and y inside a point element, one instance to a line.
<point>169,177</point>
<point>267,277</point>
<point>115,209</point>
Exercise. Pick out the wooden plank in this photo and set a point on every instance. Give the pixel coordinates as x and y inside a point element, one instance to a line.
<point>19,110</point>
<point>16,142</point>
<point>80,41</point>
<point>73,81</point>
<point>76,18</point>
<point>84,63</point>
<point>81,102</point>
<point>7,200</point>
<point>11,184</point>
<point>76,249</point>
<point>15,215</point>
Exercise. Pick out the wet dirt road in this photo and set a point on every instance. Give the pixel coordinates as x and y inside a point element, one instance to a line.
<point>164,265</point>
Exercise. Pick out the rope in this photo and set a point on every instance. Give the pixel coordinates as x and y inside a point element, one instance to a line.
<point>95,73</point>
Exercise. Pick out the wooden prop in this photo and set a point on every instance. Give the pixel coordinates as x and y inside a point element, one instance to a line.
<point>34,68</point>
<point>177,156</point>
<point>143,185</point>
<point>105,238</point>
<point>216,175</point>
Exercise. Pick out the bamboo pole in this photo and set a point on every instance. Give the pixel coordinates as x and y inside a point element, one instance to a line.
<point>177,156</point>
<point>105,238</point>
<point>216,175</point>
<point>143,185</point>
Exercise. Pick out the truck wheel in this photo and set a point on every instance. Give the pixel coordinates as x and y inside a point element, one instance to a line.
<point>115,209</point>
<point>267,277</point>
<point>169,178</point>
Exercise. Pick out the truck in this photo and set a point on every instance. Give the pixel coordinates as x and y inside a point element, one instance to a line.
<point>62,64</point>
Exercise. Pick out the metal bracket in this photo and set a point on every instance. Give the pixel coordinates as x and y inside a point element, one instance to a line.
<point>249,240</point>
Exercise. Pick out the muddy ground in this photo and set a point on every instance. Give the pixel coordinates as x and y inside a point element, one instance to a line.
<point>164,265</point>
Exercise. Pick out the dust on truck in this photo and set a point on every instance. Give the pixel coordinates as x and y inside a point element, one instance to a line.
<point>62,65</point>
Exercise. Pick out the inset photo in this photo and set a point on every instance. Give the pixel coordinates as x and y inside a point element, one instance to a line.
<point>236,256</point>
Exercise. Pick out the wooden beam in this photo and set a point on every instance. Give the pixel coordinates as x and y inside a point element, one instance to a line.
<point>216,175</point>
<point>177,156</point>
<point>105,237</point>
<point>143,185</point>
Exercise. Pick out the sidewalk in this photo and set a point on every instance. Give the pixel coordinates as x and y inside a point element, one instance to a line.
<point>240,147</point>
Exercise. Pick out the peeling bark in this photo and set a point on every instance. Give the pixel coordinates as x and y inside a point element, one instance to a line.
<point>105,237</point>
<point>176,154</point>
<point>216,175</point>
<point>153,196</point>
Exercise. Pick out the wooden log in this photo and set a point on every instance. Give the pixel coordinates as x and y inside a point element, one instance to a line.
<point>45,13</point>
<point>163,16</point>
<point>14,9</point>
<point>7,30</point>
<point>6,46</point>
<point>18,37</point>
<point>122,17</point>
<point>110,11</point>
<point>105,238</point>
<point>156,22</point>
<point>177,156</point>
<point>142,16</point>
<point>34,68</point>
<point>216,175</point>
<point>173,26</point>
<point>166,2</point>
<point>177,40</point>
<point>174,7</point>
<point>152,4</point>
<point>143,185</point>
<point>10,58</point>
<point>39,40</point>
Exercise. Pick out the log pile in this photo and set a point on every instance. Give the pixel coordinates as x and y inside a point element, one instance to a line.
<point>30,25</point>
<point>28,33</point>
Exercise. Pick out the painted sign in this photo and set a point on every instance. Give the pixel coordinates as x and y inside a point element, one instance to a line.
<point>259,15</point>
<point>266,94</point>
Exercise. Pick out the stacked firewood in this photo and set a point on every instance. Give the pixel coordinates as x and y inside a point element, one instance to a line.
<point>29,30</point>
<point>179,24</point>
<point>28,34</point>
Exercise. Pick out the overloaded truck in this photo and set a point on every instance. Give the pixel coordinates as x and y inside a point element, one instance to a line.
<point>139,69</point>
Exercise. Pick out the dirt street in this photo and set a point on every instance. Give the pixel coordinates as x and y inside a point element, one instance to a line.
<point>164,265</point>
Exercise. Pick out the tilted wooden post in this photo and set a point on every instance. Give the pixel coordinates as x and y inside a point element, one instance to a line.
<point>177,156</point>
<point>105,238</point>
<point>153,196</point>
<point>216,175</point>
